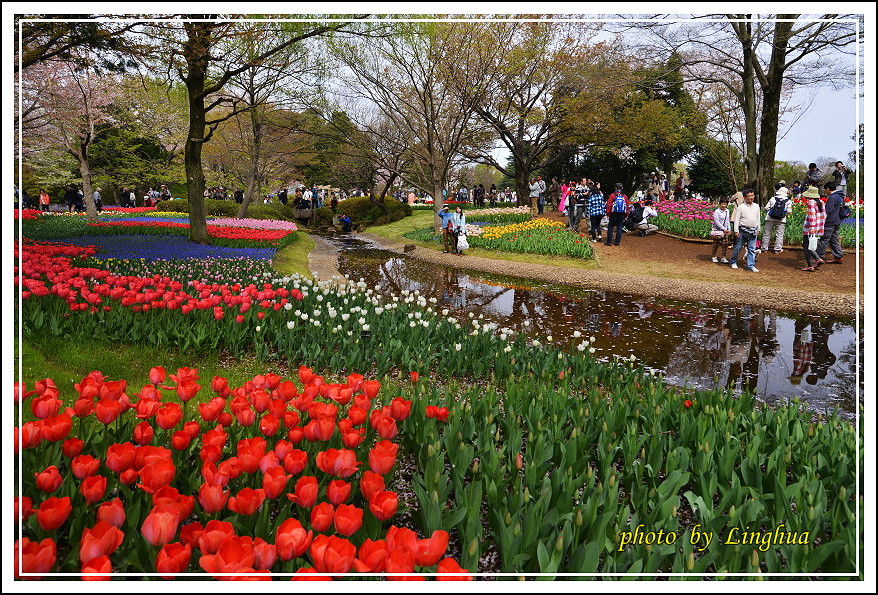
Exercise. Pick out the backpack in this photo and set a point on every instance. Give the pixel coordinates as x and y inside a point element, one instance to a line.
<point>635,217</point>
<point>845,211</point>
<point>779,209</point>
<point>619,203</point>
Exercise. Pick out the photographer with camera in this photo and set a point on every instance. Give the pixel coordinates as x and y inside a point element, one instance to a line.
<point>840,175</point>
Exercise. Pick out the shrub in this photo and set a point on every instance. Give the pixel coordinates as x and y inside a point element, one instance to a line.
<point>362,210</point>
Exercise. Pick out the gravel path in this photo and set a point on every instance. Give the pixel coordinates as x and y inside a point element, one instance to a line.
<point>323,262</point>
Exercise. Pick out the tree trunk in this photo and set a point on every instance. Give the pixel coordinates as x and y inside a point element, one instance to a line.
<point>748,101</point>
<point>195,51</point>
<point>438,203</point>
<point>253,172</point>
<point>771,97</point>
<point>522,187</point>
<point>85,172</point>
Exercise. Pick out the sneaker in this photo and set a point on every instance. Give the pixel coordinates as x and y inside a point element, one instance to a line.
<point>753,270</point>
<point>724,260</point>
<point>778,250</point>
<point>734,265</point>
<point>757,251</point>
<point>714,259</point>
<point>836,261</point>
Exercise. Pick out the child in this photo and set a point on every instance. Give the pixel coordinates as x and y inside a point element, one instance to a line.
<point>720,229</point>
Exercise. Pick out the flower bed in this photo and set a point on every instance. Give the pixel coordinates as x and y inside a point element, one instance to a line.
<point>268,476</point>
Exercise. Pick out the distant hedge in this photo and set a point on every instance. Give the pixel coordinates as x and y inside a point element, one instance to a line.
<point>224,208</point>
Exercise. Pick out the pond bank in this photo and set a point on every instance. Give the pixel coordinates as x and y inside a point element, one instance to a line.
<point>323,263</point>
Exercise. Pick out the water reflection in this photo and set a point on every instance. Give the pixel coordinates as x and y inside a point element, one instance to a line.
<point>695,344</point>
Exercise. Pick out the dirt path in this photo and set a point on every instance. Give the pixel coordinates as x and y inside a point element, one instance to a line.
<point>661,266</point>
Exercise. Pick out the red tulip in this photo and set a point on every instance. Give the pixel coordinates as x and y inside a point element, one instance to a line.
<point>84,407</point>
<point>402,538</point>
<point>338,462</point>
<point>187,389</point>
<point>49,479</point>
<point>414,376</point>
<point>120,457</point>
<point>687,403</point>
<point>355,382</point>
<point>53,512</point>
<point>321,517</point>
<point>264,554</point>
<point>191,533</point>
<point>383,505</point>
<point>72,447</point>
<point>353,438</point>
<point>101,564</point>
<point>169,496</point>
<point>212,497</point>
<point>146,408</point>
<point>160,528</point>
<point>143,433</point>
<point>296,435</point>
<point>439,413</point>
<point>305,374</point>
<point>247,502</point>
<point>291,539</point>
<point>382,457</point>
<point>128,476</point>
<point>430,550</point>
<point>305,493</point>
<point>338,491</point>
<point>93,488</point>
<point>180,440</point>
<point>274,481</point>
<point>157,375</point>
<point>451,565</point>
<point>32,434</point>
<point>100,540</point>
<point>214,535</point>
<point>295,461</point>
<point>113,512</point>
<point>235,555</point>
<point>192,429</point>
<point>400,408</point>
<point>370,484</point>
<point>269,425</point>
<point>56,427</point>
<point>172,559</point>
<point>318,430</point>
<point>37,557</point>
<point>24,508</point>
<point>211,410</point>
<point>220,386</point>
<point>107,410</point>
<point>168,415</point>
<point>348,519</point>
<point>84,465</point>
<point>332,554</point>
<point>157,475</point>
<point>399,560</point>
<point>370,389</point>
<point>45,405</point>
<point>372,556</point>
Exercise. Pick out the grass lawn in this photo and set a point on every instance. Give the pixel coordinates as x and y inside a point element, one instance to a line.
<point>294,258</point>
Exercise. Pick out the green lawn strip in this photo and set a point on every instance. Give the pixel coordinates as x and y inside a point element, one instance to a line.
<point>293,258</point>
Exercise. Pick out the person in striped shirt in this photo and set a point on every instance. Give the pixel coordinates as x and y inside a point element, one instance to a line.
<point>813,226</point>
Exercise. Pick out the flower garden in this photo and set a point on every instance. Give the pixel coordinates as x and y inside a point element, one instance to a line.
<point>383,437</point>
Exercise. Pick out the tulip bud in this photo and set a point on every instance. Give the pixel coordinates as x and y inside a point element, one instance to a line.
<point>578,521</point>
<point>690,561</point>
<point>526,494</point>
<point>519,462</point>
<point>516,531</point>
<point>732,512</point>
<point>810,513</point>
<point>587,411</point>
<point>473,546</point>
<point>842,493</point>
<point>754,559</point>
<point>673,511</point>
<point>434,498</point>
<point>810,430</point>
<point>589,472</point>
<point>508,519</point>
<point>612,481</point>
<point>658,409</point>
<point>475,465</point>
<point>430,452</point>
<point>706,446</point>
<point>559,544</point>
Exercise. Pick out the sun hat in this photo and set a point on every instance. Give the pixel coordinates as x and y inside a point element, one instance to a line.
<point>782,192</point>
<point>783,182</point>
<point>811,192</point>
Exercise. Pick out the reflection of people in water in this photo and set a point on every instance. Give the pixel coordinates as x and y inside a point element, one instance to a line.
<point>449,285</point>
<point>803,348</point>
<point>743,353</point>
<point>766,334</point>
<point>822,357</point>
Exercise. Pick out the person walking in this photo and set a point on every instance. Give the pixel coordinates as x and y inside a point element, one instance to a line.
<point>71,198</point>
<point>45,201</point>
<point>776,210</point>
<point>595,207</point>
<point>458,223</point>
<point>541,201</point>
<point>96,197</point>
<point>747,223</point>
<point>813,228</point>
<point>534,195</point>
<point>492,195</point>
<point>616,210</point>
<point>834,207</point>
<point>720,229</point>
<point>554,193</point>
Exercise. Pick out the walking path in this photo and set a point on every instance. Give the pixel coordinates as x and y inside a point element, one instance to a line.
<point>779,284</point>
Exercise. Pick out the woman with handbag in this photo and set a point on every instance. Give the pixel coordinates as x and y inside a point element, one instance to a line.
<point>812,228</point>
<point>721,229</point>
<point>458,222</point>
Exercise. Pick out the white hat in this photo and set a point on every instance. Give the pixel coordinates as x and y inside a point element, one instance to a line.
<point>782,191</point>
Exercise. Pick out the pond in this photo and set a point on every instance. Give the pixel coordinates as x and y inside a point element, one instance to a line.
<point>775,354</point>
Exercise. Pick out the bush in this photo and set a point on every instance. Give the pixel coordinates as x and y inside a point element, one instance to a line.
<point>362,210</point>
<point>272,211</point>
<point>324,216</point>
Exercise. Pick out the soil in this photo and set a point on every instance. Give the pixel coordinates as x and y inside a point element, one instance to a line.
<point>664,266</point>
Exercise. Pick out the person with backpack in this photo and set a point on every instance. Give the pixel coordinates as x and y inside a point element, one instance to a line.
<point>616,210</point>
<point>836,212</point>
<point>776,210</point>
<point>640,218</point>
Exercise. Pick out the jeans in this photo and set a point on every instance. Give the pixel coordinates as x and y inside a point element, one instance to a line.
<point>541,203</point>
<point>616,220</point>
<point>770,226</point>
<point>830,238</point>
<point>573,216</point>
<point>751,249</point>
<point>595,226</point>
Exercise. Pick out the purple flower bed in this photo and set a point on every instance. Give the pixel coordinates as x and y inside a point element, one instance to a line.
<point>162,247</point>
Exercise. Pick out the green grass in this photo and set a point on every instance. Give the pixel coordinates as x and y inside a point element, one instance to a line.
<point>294,258</point>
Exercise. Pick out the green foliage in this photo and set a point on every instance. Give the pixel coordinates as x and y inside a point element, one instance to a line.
<point>362,210</point>
<point>708,171</point>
